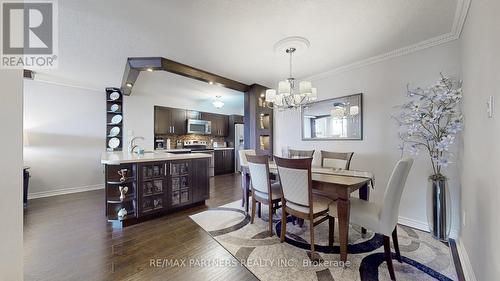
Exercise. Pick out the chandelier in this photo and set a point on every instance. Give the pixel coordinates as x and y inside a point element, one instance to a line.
<point>288,94</point>
<point>217,102</point>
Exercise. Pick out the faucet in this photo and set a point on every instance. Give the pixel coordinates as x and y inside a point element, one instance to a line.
<point>132,145</point>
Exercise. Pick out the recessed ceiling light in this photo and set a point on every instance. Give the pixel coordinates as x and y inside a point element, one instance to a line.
<point>262,95</point>
<point>210,82</point>
<point>129,85</point>
<point>150,69</point>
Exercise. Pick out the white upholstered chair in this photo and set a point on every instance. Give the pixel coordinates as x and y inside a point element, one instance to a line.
<point>242,157</point>
<point>263,191</point>
<point>295,153</point>
<point>383,217</point>
<point>337,160</point>
<point>298,199</point>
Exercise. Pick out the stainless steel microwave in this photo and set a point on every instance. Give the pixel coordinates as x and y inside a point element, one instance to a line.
<point>200,127</point>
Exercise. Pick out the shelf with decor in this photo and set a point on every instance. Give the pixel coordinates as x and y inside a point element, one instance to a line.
<point>114,119</point>
<point>121,192</point>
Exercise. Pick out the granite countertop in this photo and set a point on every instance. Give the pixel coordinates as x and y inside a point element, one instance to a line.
<point>119,157</point>
<point>173,150</point>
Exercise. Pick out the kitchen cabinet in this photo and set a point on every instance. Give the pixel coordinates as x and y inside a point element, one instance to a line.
<point>169,121</point>
<point>224,161</point>
<point>201,179</point>
<point>192,114</point>
<point>147,189</point>
<point>220,123</point>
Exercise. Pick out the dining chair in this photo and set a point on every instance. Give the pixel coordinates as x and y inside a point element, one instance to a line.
<point>338,160</point>
<point>383,218</point>
<point>263,191</point>
<point>300,153</point>
<point>298,199</point>
<point>242,156</point>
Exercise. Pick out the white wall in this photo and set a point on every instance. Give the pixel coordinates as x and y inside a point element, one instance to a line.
<point>383,86</point>
<point>66,128</point>
<point>481,150</point>
<point>11,170</point>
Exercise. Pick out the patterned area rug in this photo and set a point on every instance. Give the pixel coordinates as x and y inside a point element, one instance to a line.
<point>423,258</point>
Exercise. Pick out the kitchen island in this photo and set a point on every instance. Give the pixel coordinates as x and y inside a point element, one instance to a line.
<point>142,187</point>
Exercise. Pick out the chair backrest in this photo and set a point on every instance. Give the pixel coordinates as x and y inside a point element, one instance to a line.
<point>339,160</point>
<point>301,153</point>
<point>296,180</point>
<point>392,198</point>
<point>242,154</point>
<point>259,173</point>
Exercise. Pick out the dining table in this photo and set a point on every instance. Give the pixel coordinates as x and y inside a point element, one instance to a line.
<point>334,184</point>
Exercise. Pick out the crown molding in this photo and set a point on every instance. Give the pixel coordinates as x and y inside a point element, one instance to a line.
<point>456,30</point>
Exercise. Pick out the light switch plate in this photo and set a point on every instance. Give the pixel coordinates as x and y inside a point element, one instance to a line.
<point>489,107</point>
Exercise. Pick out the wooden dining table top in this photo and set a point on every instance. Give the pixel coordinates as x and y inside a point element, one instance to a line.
<point>334,176</point>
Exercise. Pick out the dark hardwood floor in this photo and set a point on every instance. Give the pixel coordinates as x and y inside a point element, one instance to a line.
<point>67,238</point>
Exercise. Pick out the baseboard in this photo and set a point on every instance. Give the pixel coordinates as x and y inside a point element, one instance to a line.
<point>62,191</point>
<point>414,224</point>
<point>423,226</point>
<point>465,261</point>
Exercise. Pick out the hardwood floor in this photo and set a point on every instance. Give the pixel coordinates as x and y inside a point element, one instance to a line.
<point>67,238</point>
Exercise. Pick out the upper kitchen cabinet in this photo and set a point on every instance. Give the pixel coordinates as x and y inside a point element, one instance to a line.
<point>192,114</point>
<point>179,121</point>
<point>169,121</point>
<point>220,123</point>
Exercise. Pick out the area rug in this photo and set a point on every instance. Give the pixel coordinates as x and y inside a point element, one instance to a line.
<point>423,258</point>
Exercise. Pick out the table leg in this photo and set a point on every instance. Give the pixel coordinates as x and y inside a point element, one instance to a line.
<point>343,206</point>
<point>364,194</point>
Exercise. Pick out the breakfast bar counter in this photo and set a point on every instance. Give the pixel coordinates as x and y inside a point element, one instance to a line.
<point>119,157</point>
<point>146,186</point>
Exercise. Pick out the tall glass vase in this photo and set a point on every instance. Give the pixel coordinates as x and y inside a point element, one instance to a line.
<point>438,207</point>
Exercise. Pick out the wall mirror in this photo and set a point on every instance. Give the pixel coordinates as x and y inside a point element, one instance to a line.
<point>333,119</point>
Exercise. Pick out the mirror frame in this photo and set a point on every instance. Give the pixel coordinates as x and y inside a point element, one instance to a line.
<point>330,100</point>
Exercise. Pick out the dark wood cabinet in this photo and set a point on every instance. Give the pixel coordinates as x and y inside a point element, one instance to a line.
<point>224,161</point>
<point>150,189</point>
<point>178,121</point>
<point>169,121</point>
<point>192,114</point>
<point>220,123</point>
<point>201,179</point>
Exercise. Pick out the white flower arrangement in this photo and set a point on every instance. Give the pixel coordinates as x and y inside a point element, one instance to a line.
<point>431,119</point>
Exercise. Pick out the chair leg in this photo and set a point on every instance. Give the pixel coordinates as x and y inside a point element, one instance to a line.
<point>388,256</point>
<point>331,230</point>
<point>253,210</point>
<point>311,226</point>
<point>259,209</point>
<point>283,223</point>
<point>270,218</point>
<point>396,243</point>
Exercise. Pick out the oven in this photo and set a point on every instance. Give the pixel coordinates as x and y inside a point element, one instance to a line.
<point>199,127</point>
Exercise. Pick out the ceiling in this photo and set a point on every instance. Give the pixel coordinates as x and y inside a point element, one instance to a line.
<point>235,38</point>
